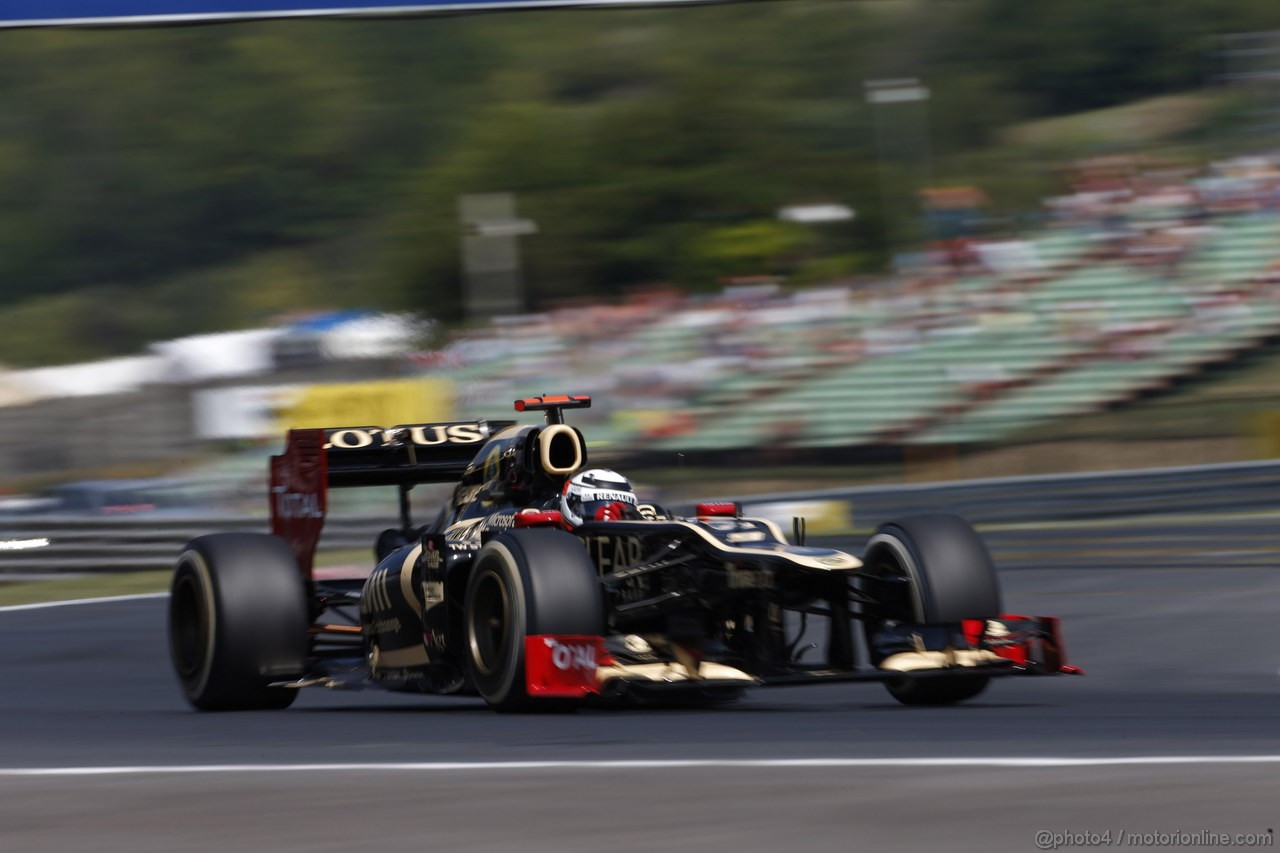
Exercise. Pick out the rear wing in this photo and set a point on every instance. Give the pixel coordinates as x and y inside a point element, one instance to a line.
<point>316,460</point>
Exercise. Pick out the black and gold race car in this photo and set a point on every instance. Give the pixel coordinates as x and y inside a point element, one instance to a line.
<point>544,583</point>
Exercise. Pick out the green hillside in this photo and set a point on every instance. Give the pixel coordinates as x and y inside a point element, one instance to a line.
<point>162,182</point>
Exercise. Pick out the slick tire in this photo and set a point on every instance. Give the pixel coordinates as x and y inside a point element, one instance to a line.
<point>947,690</point>
<point>523,583</point>
<point>946,575</point>
<point>238,620</point>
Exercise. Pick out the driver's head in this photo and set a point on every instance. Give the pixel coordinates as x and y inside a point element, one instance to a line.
<point>593,495</point>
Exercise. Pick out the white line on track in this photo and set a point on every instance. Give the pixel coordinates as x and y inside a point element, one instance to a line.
<point>43,604</point>
<point>715,764</point>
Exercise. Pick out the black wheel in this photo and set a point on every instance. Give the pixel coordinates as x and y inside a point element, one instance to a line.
<point>941,690</point>
<point>930,569</point>
<point>238,619</point>
<point>523,583</point>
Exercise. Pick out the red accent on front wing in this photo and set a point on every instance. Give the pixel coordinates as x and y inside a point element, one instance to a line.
<point>1059,648</point>
<point>562,665</point>
<point>973,630</point>
<point>1044,651</point>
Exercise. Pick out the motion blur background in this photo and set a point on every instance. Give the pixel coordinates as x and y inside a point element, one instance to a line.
<point>835,241</point>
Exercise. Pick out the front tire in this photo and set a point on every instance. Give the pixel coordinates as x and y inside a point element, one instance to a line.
<point>524,583</point>
<point>930,569</point>
<point>238,620</point>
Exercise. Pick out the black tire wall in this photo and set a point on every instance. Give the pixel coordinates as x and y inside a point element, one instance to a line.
<point>239,612</point>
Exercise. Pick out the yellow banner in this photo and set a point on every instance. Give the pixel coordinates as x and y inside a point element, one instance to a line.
<point>384,403</point>
<point>1266,434</point>
<point>822,518</point>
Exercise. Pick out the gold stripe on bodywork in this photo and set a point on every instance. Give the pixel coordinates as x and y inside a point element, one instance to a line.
<point>839,561</point>
<point>954,658</point>
<point>402,658</point>
<point>671,672</point>
<point>406,580</point>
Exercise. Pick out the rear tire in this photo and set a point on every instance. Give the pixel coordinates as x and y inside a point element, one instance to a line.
<point>238,620</point>
<point>524,583</point>
<point>948,577</point>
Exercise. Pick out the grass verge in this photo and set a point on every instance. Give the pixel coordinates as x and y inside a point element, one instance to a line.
<point>107,584</point>
<point>69,587</point>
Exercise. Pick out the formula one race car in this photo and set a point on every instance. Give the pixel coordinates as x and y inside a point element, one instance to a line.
<point>545,583</point>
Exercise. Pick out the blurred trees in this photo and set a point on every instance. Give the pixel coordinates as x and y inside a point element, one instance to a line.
<point>161,182</point>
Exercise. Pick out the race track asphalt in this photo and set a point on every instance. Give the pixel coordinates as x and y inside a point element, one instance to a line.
<point>1182,664</point>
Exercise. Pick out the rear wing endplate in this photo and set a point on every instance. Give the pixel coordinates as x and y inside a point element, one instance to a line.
<point>315,460</point>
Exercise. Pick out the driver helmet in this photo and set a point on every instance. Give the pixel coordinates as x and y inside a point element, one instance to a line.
<point>592,493</point>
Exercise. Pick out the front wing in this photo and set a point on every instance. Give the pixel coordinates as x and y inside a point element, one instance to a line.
<point>578,666</point>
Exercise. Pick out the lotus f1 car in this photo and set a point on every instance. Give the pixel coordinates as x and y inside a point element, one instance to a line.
<point>502,597</point>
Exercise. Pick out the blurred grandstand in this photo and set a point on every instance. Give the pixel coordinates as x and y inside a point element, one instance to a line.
<point>1139,279</point>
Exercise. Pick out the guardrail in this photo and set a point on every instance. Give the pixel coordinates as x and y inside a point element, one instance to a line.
<point>1199,489</point>
<point>78,544</point>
